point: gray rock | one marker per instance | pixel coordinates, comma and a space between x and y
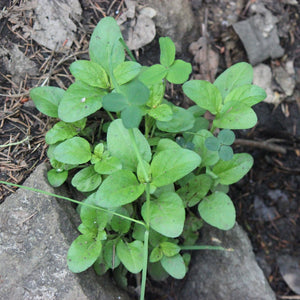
226, 275
285, 79
264, 212
35, 234
174, 19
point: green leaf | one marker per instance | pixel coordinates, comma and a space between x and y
237, 75
174, 266
140, 171
167, 51
90, 73
248, 94
179, 72
153, 75
131, 255
170, 165
80, 100
135, 92
182, 120
209, 158
169, 249
119, 145
218, 210
56, 178
100, 266
73, 151
195, 189
226, 137
86, 180
118, 224
114, 102
105, 47
212, 143
226, 153
60, 132
82, 253
156, 255
157, 272
236, 116
157, 92
167, 214
108, 165
162, 112
204, 94
118, 189
232, 171
131, 117
109, 254
47, 99
126, 71
167, 144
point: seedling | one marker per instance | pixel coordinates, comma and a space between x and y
152, 172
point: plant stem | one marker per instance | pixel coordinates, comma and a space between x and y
205, 247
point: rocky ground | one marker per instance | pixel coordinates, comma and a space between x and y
212, 35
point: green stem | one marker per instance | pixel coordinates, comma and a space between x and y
16, 143
205, 247
127, 49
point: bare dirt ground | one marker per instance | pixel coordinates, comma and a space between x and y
267, 199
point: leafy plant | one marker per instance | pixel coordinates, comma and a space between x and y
152, 172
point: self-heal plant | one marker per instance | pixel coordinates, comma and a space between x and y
152, 172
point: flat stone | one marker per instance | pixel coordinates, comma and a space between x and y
36, 231
226, 275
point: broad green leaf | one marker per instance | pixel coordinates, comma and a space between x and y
131, 117
218, 210
82, 253
179, 72
167, 51
119, 188
191, 230
119, 145
47, 99
126, 71
108, 165
237, 75
86, 180
195, 189
209, 158
167, 144
138, 232
157, 92
236, 116
73, 151
109, 254
226, 137
167, 214
170, 165
156, 238
225, 152
80, 100
169, 249
204, 94
162, 112
118, 224
135, 92
157, 272
154, 74
141, 169
105, 47
100, 266
197, 111
232, 171
156, 255
90, 73
182, 120
55, 178
174, 266
114, 102
248, 94
60, 132
212, 143
131, 255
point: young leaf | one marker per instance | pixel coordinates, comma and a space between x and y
167, 51
114, 102
131, 255
90, 73
131, 117
212, 143
86, 180
226, 137
126, 71
226, 153
119, 188
118, 224
47, 99
232, 171
162, 112
156, 255
167, 214
73, 151
60, 132
82, 253
218, 211
105, 47
179, 72
174, 266
119, 145
157, 92
204, 94
135, 92
108, 165
169, 249
80, 100
170, 165
55, 178
237, 75
153, 75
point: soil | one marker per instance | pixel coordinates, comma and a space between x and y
275, 178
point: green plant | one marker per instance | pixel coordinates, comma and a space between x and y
147, 167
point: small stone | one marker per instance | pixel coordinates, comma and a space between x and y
263, 212
285, 78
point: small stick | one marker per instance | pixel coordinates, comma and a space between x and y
261, 145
